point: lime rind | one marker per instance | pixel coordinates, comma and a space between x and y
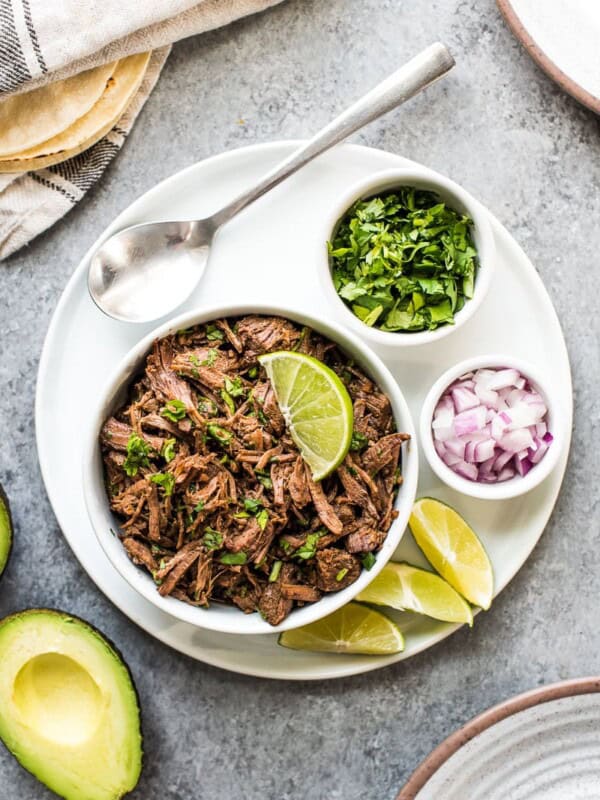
408, 588
453, 549
315, 405
352, 629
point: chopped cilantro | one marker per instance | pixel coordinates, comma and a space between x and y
166, 481
174, 410
404, 260
235, 387
236, 559
228, 400
219, 434
199, 507
309, 548
252, 505
210, 359
264, 478
275, 570
262, 417
368, 560
168, 450
358, 442
212, 539
213, 333
137, 455
262, 518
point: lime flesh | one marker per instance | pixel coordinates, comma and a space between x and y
453, 549
351, 629
316, 407
409, 588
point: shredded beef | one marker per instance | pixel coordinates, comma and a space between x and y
212, 496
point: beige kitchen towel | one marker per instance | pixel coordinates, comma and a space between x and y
42, 41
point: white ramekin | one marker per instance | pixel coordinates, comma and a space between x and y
515, 486
452, 194
219, 617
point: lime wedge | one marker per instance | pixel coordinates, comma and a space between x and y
408, 588
453, 549
316, 407
350, 629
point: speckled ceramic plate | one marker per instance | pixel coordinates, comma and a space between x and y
562, 37
252, 261
542, 745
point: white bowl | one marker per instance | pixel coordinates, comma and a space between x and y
515, 486
229, 619
458, 199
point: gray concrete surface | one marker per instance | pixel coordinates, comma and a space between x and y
501, 128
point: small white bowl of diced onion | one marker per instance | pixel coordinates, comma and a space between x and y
490, 428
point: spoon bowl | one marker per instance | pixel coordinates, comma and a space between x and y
146, 271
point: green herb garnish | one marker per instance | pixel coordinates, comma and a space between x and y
220, 434
168, 450
228, 400
210, 358
166, 481
368, 560
309, 548
404, 261
341, 574
137, 455
213, 333
199, 507
275, 570
262, 518
358, 442
252, 505
174, 410
264, 477
235, 387
253, 372
212, 539
235, 559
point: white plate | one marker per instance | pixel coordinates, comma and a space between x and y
542, 745
265, 255
562, 37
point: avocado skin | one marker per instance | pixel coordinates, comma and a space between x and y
65, 615
5, 506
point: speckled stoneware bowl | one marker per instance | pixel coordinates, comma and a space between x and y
541, 745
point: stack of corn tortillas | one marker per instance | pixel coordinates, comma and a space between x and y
55, 122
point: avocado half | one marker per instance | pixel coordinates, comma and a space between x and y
69, 711
6, 535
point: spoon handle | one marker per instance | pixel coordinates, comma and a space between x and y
416, 75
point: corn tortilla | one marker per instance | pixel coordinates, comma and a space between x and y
33, 117
90, 128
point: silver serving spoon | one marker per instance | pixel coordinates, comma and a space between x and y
145, 271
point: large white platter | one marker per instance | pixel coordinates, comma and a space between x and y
267, 255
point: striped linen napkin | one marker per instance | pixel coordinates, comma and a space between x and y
43, 41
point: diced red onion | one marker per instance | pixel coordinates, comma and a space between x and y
469, 421
491, 425
464, 399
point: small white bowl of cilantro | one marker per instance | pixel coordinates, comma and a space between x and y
409, 256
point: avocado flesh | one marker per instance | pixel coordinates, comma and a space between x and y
68, 708
5, 531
